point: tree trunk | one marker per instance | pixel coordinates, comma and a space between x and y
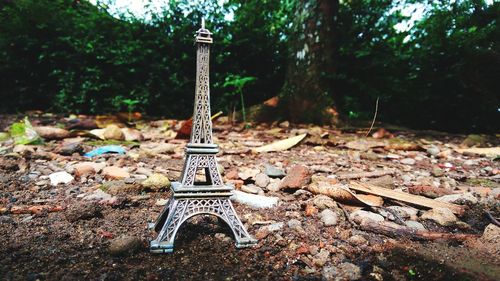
308, 89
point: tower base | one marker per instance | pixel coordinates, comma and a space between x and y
187, 202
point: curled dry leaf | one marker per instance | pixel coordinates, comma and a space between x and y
281, 145
488, 151
343, 194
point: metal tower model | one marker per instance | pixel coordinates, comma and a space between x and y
191, 197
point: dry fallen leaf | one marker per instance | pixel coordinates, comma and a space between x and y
488, 151
281, 145
364, 144
342, 193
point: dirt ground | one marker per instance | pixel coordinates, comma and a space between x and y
95, 226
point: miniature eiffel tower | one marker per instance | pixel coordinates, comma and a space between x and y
190, 197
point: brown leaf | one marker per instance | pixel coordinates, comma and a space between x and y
281, 145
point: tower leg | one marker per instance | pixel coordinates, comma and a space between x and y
179, 210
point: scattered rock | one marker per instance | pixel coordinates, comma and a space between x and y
329, 217
251, 189
415, 225
248, 173
360, 215
495, 192
131, 134
83, 211
264, 231
261, 180
442, 216
23, 149
113, 132
462, 199
83, 169
68, 149
321, 258
474, 140
357, 240
60, 177
369, 156
156, 182
114, 172
144, 171
97, 195
158, 148
491, 235
51, 133
437, 172
364, 144
124, 245
344, 271
428, 191
256, 201
324, 202
408, 161
273, 172
294, 223
222, 237
404, 212
297, 177
274, 185
433, 150
161, 202
386, 181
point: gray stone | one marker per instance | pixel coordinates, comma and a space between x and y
275, 226
156, 182
324, 202
83, 211
125, 245
144, 171
462, 199
342, 272
294, 223
491, 235
321, 258
273, 171
357, 240
261, 180
250, 188
433, 150
415, 225
437, 172
442, 216
69, 148
404, 212
408, 161
361, 215
329, 217
274, 185
495, 192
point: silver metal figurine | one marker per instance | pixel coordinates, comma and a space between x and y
191, 197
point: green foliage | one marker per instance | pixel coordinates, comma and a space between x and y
72, 56
238, 83
23, 133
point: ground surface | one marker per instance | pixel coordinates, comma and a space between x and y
95, 227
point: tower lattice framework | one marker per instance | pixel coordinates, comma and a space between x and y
191, 197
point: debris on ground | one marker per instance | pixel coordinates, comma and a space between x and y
325, 203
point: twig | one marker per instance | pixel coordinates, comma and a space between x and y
374, 117
492, 218
346, 214
397, 231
